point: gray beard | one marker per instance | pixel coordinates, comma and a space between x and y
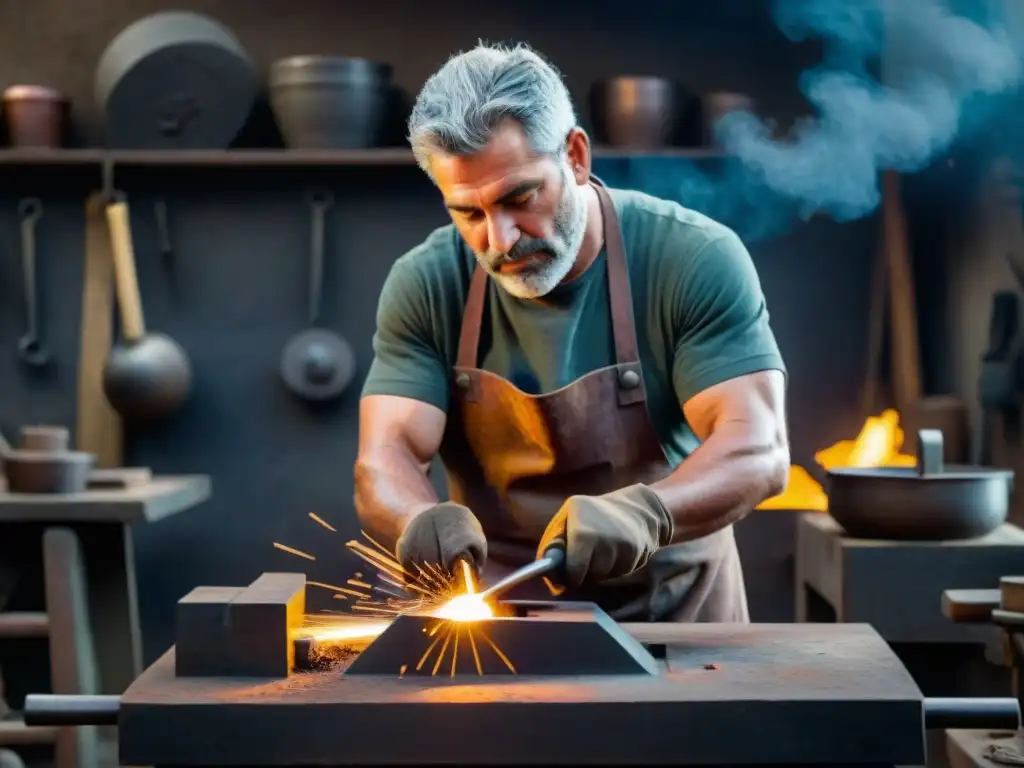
553, 258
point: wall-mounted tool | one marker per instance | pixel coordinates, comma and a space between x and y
1001, 378
147, 376
31, 348
163, 235
317, 363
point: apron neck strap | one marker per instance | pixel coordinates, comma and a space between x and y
619, 296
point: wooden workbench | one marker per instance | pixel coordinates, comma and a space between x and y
102, 520
730, 694
897, 586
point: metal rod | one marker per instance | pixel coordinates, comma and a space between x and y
553, 559
54, 709
995, 714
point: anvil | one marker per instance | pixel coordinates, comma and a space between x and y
717, 694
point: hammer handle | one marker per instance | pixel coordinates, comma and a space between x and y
129, 300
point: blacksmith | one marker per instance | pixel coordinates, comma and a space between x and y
593, 365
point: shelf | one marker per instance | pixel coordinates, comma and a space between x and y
256, 158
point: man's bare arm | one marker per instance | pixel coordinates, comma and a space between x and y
398, 438
743, 459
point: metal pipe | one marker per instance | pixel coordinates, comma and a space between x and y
995, 714
55, 709
553, 559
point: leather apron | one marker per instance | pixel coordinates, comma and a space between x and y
513, 458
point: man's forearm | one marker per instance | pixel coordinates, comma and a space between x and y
391, 488
729, 475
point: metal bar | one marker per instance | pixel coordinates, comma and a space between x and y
553, 559
995, 714
53, 709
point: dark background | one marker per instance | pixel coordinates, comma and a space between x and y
240, 238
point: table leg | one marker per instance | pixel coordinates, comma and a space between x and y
799, 576
109, 556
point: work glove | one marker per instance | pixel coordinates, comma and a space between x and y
607, 536
442, 535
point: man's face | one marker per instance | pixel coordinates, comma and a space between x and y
521, 213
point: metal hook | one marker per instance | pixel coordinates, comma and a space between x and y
107, 170
30, 209
321, 198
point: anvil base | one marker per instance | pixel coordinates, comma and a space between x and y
772, 694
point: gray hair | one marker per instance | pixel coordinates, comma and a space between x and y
462, 103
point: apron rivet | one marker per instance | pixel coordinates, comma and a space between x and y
630, 379
462, 381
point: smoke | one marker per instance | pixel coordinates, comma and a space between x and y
829, 163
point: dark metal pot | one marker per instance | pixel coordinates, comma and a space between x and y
329, 102
928, 502
639, 112
43, 463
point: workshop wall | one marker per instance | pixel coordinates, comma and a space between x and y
235, 291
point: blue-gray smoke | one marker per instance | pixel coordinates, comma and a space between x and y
944, 68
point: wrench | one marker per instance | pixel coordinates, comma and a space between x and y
30, 347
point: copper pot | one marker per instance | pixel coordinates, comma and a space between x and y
715, 106
639, 112
35, 116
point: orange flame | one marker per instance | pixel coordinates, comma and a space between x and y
877, 445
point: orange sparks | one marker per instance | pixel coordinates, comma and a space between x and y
293, 551
336, 589
317, 519
428, 590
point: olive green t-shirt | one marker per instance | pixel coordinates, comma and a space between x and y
700, 318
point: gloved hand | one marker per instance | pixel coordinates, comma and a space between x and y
441, 535
608, 536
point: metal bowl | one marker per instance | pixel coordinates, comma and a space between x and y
48, 471
328, 102
929, 502
639, 112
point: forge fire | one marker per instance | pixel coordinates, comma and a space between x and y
879, 444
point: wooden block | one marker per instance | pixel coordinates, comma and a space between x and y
1011, 592
262, 618
969, 605
203, 632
